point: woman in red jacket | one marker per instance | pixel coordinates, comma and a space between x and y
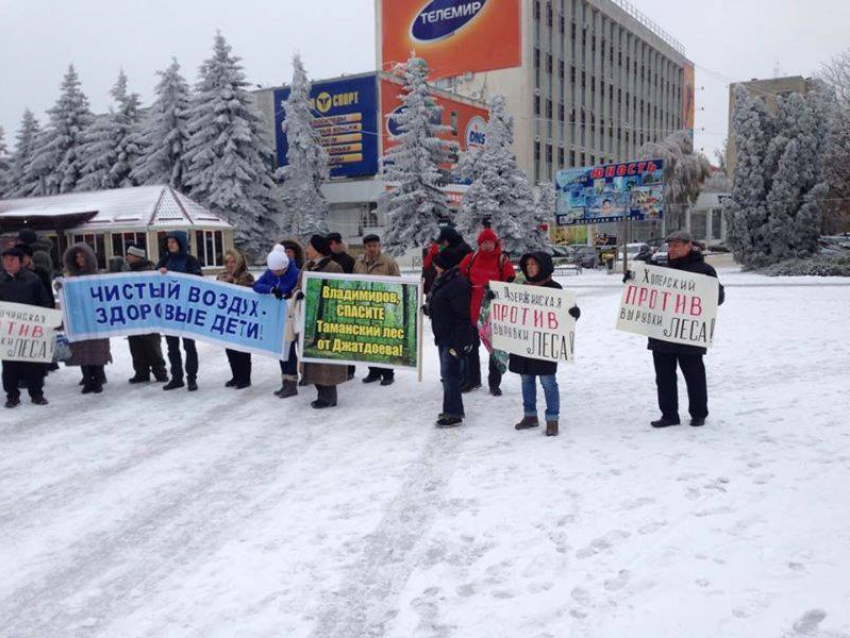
481, 267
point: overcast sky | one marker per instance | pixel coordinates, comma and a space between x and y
728, 40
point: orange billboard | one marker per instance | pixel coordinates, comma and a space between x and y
453, 36
689, 97
467, 123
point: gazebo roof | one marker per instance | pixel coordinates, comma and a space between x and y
145, 206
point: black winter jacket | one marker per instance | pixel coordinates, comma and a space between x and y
524, 365
345, 261
692, 262
24, 288
448, 307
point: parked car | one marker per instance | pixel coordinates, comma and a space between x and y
587, 256
659, 257
633, 250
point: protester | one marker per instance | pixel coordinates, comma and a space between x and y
324, 376
117, 264
340, 254
450, 238
538, 268
92, 355
429, 273
280, 280
145, 350
42, 265
236, 273
486, 264
178, 259
294, 250
681, 255
374, 262
448, 307
19, 285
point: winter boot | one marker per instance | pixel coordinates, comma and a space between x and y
496, 391
372, 377
230, 384
466, 388
664, 422
12, 402
192, 386
161, 377
389, 379
527, 423
173, 384
288, 389
446, 421
140, 378
551, 428
39, 400
697, 422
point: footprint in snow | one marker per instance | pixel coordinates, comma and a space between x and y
619, 581
807, 624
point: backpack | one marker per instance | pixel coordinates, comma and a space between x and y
502, 261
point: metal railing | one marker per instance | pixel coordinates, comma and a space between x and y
650, 24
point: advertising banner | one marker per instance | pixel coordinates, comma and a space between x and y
533, 321
610, 192
346, 116
689, 98
235, 317
467, 123
670, 305
453, 36
350, 319
27, 333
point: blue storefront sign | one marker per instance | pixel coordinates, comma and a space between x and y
611, 192
346, 116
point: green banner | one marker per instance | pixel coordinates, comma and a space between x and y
360, 319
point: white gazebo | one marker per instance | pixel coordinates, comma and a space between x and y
110, 220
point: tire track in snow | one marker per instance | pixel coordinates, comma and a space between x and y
363, 604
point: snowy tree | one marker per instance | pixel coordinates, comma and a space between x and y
415, 204
304, 206
163, 135
501, 195
58, 159
684, 173
23, 181
227, 157
469, 166
5, 166
836, 160
546, 203
775, 210
111, 146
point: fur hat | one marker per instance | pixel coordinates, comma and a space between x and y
137, 251
447, 259
277, 259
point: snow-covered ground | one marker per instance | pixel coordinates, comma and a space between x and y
225, 513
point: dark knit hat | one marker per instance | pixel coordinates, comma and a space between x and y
27, 236
320, 244
334, 237
448, 258
13, 252
368, 239
25, 249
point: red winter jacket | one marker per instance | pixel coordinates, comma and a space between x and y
482, 267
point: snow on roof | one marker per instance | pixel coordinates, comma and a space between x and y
136, 206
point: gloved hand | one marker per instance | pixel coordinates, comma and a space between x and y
489, 295
287, 296
299, 296
426, 310
575, 312
628, 276
277, 293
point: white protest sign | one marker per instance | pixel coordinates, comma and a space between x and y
533, 321
27, 333
670, 305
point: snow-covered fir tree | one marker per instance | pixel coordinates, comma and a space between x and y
111, 147
5, 165
23, 181
836, 160
164, 133
684, 173
415, 205
57, 159
305, 209
546, 202
501, 195
227, 157
779, 186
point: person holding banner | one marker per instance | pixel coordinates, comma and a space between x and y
666, 356
92, 355
538, 268
19, 285
178, 259
326, 377
280, 280
340, 254
145, 350
377, 264
486, 264
236, 273
454, 335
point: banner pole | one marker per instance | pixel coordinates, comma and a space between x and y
420, 324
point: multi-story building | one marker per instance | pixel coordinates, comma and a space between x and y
768, 90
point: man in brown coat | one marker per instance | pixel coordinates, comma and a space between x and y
377, 264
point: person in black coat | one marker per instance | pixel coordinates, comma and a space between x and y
145, 350
340, 256
454, 334
178, 259
21, 286
538, 268
667, 356
450, 238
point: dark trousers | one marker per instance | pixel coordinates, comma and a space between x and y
450, 374
146, 351
327, 393
17, 373
240, 365
176, 360
472, 369
289, 367
384, 373
693, 370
